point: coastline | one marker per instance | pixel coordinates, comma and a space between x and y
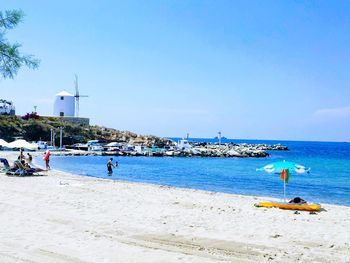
64, 217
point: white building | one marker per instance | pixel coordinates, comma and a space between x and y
64, 105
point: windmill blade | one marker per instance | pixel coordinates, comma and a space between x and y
77, 96
76, 86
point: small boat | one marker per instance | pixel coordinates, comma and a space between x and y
40, 145
183, 145
96, 148
290, 206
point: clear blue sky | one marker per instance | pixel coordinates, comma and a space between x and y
251, 69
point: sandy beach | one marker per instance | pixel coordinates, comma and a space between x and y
69, 218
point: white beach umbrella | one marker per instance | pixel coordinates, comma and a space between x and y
22, 144
3, 143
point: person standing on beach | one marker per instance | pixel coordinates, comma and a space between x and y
21, 155
46, 158
30, 157
110, 166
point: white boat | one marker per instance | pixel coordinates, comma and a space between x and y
113, 146
94, 145
139, 149
183, 145
96, 148
41, 145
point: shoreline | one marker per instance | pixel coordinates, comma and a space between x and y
260, 197
65, 217
255, 197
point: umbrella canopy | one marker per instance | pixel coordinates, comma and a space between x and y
278, 167
3, 143
22, 144
284, 169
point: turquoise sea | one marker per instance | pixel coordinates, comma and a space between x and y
328, 182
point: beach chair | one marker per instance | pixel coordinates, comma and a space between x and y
5, 165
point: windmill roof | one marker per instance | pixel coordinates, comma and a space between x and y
64, 94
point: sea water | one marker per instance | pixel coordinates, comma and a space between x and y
328, 181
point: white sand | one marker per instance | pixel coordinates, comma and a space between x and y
67, 218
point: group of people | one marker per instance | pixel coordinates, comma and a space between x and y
22, 158
46, 158
24, 162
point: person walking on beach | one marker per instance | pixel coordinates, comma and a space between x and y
46, 158
110, 166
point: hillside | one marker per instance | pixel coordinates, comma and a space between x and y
34, 128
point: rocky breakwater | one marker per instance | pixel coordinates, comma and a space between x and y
231, 150
196, 150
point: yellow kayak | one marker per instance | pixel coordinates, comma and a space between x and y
291, 206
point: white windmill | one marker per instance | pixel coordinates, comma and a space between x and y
77, 96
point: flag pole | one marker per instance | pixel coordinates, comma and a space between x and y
284, 190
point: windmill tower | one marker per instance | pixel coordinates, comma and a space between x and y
77, 96
64, 104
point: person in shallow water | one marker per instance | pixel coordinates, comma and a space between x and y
110, 166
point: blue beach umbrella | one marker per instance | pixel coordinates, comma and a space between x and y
284, 169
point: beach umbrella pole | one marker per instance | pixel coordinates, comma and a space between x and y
285, 169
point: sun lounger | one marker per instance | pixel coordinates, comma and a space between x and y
6, 165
